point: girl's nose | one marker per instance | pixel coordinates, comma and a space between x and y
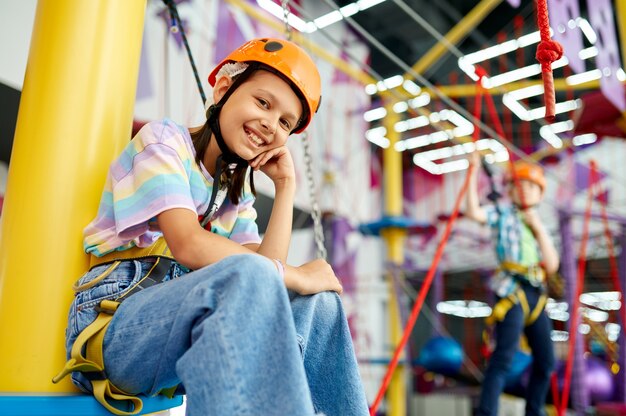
269, 126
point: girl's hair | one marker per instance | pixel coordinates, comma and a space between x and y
236, 177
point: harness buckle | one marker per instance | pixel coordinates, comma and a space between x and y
107, 306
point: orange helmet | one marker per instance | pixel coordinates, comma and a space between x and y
289, 60
527, 171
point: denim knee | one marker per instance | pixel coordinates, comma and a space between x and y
251, 264
252, 273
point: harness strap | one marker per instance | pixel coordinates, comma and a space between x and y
502, 307
92, 337
157, 249
516, 268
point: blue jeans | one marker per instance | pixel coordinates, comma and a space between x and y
508, 333
235, 338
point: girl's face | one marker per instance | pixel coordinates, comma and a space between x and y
259, 115
527, 194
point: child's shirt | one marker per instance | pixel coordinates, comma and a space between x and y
515, 243
157, 171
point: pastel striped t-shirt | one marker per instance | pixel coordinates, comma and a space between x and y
157, 171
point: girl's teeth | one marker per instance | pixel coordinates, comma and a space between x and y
255, 139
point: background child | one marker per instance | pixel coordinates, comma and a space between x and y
217, 311
522, 243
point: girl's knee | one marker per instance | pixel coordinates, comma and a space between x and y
327, 305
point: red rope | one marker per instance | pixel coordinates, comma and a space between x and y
417, 306
617, 285
548, 51
573, 330
422, 295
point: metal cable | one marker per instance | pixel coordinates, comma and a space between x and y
318, 229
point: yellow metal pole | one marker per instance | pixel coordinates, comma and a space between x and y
75, 114
469, 90
456, 34
394, 239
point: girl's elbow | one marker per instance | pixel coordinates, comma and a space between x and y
184, 252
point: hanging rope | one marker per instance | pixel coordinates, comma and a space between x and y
422, 295
614, 271
177, 27
436, 259
548, 51
580, 281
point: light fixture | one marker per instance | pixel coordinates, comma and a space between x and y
464, 308
426, 159
320, 22
462, 128
584, 139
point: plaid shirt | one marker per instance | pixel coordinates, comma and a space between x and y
515, 243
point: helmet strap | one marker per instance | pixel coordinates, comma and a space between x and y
213, 115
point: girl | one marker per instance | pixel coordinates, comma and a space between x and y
192, 296
526, 255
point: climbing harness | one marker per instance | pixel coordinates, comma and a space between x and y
518, 297
91, 363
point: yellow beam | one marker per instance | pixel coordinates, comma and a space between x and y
469, 90
75, 114
455, 35
394, 239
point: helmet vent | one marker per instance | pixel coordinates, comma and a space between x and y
273, 46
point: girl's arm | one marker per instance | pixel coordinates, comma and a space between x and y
277, 236
473, 210
549, 255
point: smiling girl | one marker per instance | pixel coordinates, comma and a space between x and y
199, 302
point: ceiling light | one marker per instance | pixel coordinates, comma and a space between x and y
559, 336
320, 22
411, 124
463, 127
584, 139
607, 301
370, 89
375, 114
425, 159
562, 107
588, 53
377, 136
583, 77
549, 132
612, 331
595, 315
411, 87
464, 308
293, 20
588, 31
400, 107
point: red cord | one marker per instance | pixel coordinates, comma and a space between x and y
579, 288
417, 306
548, 51
422, 295
617, 285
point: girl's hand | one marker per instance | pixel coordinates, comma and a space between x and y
314, 277
276, 163
531, 218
